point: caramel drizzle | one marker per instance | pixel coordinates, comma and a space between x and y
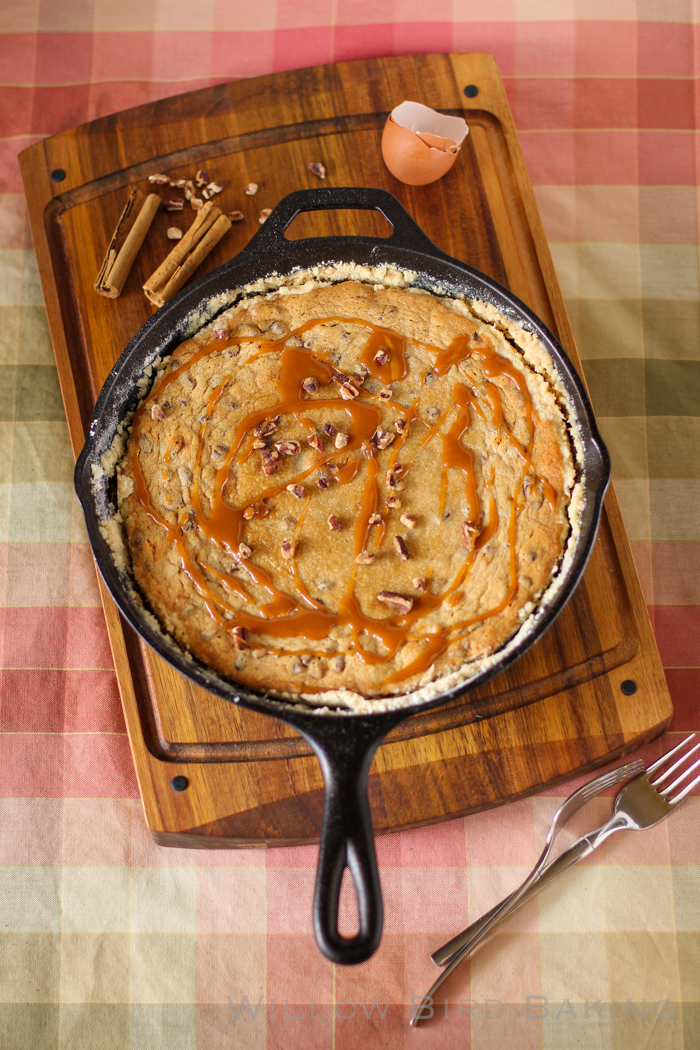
282, 616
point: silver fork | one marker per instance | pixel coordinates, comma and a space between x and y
565, 812
640, 805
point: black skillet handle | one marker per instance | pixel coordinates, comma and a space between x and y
345, 748
270, 237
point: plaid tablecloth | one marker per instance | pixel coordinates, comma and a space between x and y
108, 941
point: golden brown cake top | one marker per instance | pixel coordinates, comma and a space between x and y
347, 492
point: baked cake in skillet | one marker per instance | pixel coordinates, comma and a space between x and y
345, 492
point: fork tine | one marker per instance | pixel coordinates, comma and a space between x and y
669, 754
684, 776
613, 777
676, 765
685, 792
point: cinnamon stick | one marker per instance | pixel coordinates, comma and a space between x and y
134, 223
207, 230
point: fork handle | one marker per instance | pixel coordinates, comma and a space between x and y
443, 955
527, 890
571, 856
465, 943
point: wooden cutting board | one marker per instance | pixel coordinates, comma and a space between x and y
251, 780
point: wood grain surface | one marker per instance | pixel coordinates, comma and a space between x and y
251, 779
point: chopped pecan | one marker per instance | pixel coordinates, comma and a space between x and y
399, 601
315, 441
222, 333
364, 558
329, 430
196, 203
401, 425
401, 548
235, 216
310, 384
269, 426
271, 467
375, 519
239, 637
269, 454
202, 177
296, 490
317, 168
468, 534
156, 411
323, 483
338, 663
159, 180
174, 233
287, 550
419, 583
341, 440
383, 438
178, 184
214, 187
393, 503
190, 191
316, 669
174, 204
251, 189
433, 414
335, 524
264, 215
408, 520
259, 443
385, 394
348, 391
382, 356
244, 551
288, 448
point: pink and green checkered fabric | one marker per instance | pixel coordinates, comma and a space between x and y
108, 941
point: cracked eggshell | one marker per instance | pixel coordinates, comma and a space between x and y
420, 145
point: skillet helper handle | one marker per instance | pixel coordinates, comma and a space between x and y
270, 237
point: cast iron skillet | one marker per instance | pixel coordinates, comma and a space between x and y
344, 743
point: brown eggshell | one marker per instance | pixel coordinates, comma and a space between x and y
411, 160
